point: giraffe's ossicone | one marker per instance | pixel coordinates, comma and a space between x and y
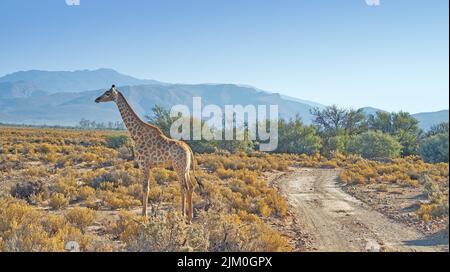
154, 149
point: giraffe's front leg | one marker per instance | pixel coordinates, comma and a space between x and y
145, 190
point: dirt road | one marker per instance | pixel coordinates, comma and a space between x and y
337, 221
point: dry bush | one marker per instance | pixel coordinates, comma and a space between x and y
67, 186
34, 172
81, 217
433, 192
23, 228
86, 193
432, 210
162, 176
117, 201
229, 233
46, 148
126, 227
114, 176
58, 201
27, 190
263, 209
382, 188
166, 233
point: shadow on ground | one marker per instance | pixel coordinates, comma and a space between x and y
436, 239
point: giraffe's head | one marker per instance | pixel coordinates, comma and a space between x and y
109, 95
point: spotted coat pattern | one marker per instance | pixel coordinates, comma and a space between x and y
154, 149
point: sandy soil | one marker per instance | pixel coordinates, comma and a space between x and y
336, 221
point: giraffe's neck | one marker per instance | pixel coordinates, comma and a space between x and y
132, 120
129, 117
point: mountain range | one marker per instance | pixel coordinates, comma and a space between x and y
64, 98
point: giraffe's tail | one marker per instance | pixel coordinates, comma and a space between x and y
199, 182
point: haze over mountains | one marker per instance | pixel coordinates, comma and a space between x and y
64, 98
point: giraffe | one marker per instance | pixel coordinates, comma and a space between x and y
154, 149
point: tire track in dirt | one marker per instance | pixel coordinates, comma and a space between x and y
336, 221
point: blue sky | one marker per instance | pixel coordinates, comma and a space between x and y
393, 56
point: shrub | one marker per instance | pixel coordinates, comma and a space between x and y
114, 176
86, 193
429, 211
435, 148
46, 148
81, 217
168, 233
382, 188
66, 185
374, 144
20, 229
58, 201
23, 228
230, 233
25, 190
296, 137
330, 164
126, 227
118, 201
116, 141
433, 192
263, 209
334, 144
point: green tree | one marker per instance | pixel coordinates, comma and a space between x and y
295, 137
435, 148
334, 144
335, 125
161, 118
402, 126
381, 121
329, 121
333, 121
437, 129
374, 144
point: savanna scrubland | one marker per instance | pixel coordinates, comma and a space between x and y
61, 185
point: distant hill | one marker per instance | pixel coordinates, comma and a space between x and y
69, 108
64, 98
26, 83
311, 103
370, 110
428, 119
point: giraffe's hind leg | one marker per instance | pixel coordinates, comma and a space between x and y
183, 192
183, 201
185, 195
145, 191
189, 199
189, 192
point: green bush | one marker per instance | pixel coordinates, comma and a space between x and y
374, 144
295, 137
334, 144
435, 148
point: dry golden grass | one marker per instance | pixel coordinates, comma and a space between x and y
83, 185
75, 187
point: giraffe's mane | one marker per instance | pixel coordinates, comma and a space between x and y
137, 116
